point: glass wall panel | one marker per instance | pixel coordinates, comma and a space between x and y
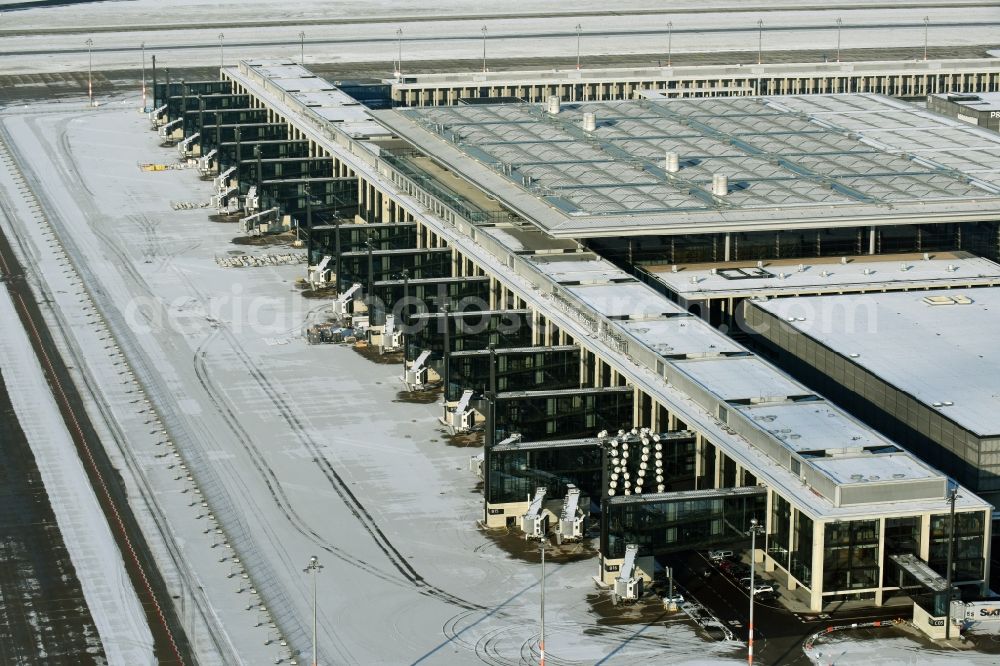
514, 475
518, 370
540, 415
850, 557
968, 555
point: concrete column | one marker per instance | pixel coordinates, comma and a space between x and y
925, 536
816, 598
726, 254
871, 240
881, 568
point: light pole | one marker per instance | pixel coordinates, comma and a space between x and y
399, 53
302, 47
142, 47
222, 51
541, 642
755, 528
927, 21
951, 554
578, 29
484, 48
670, 39
839, 26
314, 568
90, 68
760, 41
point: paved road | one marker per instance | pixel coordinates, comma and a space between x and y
779, 633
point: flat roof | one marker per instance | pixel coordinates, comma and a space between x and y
946, 356
618, 74
827, 274
814, 426
683, 336
741, 378
817, 160
984, 101
862, 469
322, 98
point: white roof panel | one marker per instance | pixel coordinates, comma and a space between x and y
936, 353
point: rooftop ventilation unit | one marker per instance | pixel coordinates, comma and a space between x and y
589, 122
720, 184
554, 104
673, 163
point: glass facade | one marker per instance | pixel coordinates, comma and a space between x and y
514, 474
516, 370
420, 265
541, 415
800, 561
468, 331
468, 293
674, 524
968, 556
850, 555
779, 537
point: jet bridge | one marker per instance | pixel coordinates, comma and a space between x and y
570, 526
417, 375
628, 582
461, 417
535, 522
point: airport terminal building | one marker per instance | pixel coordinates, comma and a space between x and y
555, 211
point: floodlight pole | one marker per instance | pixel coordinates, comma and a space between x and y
222, 51
840, 24
760, 41
302, 47
142, 48
314, 568
927, 21
484, 48
755, 527
90, 68
541, 642
578, 29
951, 554
670, 39
399, 58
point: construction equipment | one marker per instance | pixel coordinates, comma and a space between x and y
571, 520
535, 523
628, 585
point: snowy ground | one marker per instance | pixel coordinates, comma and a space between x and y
110, 596
448, 34
307, 447
892, 646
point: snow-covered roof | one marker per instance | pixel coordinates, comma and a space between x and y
937, 346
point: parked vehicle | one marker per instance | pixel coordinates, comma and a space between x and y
718, 556
677, 599
738, 571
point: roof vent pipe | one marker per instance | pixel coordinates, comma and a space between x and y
554, 104
673, 162
589, 122
720, 184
